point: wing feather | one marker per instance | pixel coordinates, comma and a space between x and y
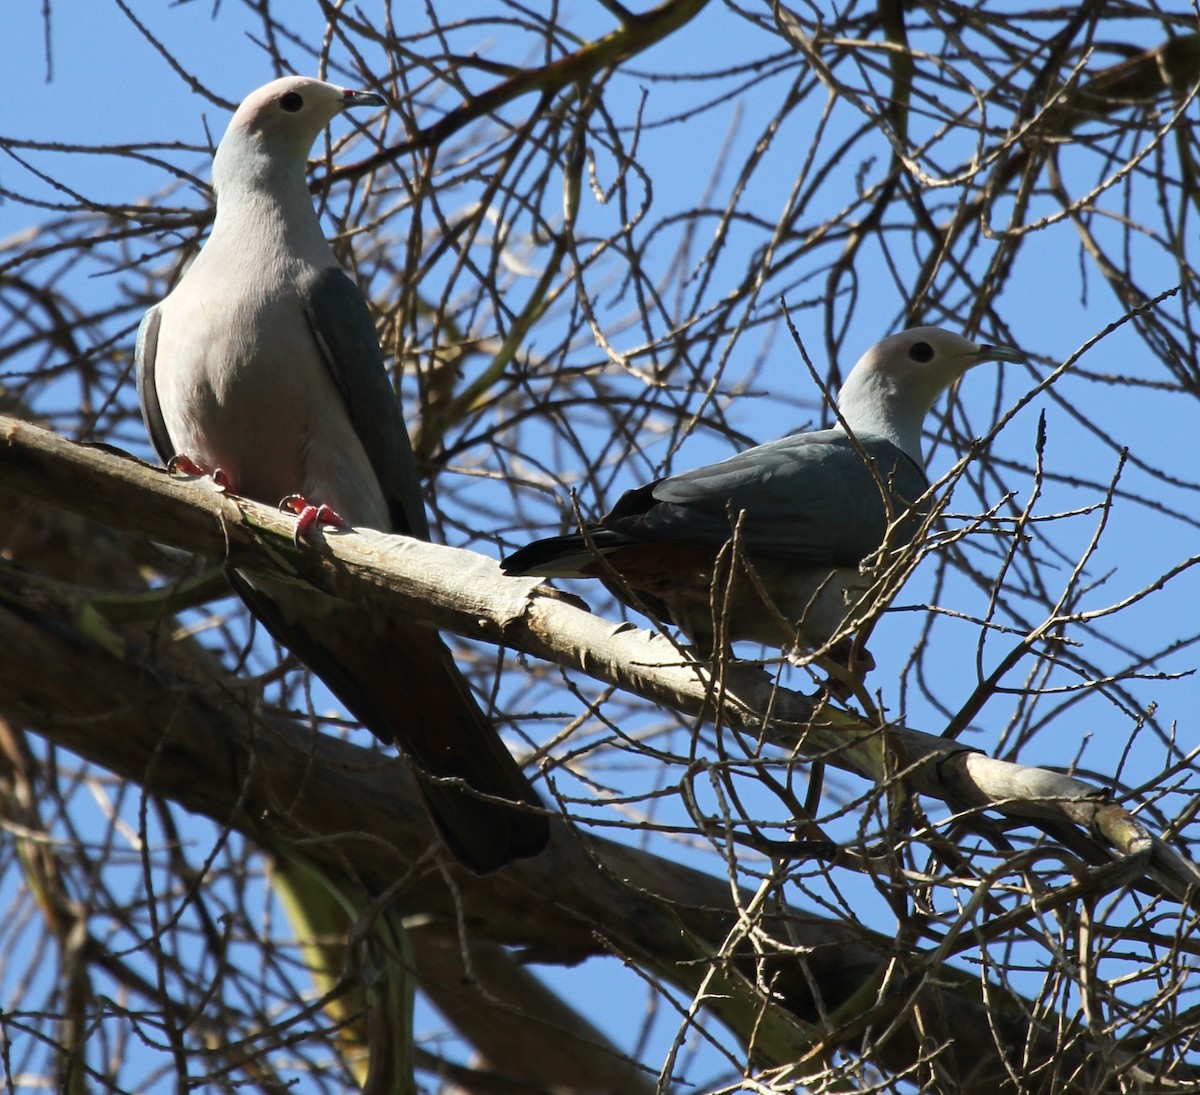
341, 323
145, 353
809, 497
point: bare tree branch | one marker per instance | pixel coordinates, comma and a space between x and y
160, 719
583, 230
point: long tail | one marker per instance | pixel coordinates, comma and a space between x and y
568, 556
401, 682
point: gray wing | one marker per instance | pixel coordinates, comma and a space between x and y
345, 334
809, 497
144, 353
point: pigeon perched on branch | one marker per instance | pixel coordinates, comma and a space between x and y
794, 518
262, 368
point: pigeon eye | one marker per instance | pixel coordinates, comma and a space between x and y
292, 102
920, 352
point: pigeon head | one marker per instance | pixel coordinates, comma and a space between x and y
893, 385
275, 127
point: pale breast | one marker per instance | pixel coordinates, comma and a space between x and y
243, 388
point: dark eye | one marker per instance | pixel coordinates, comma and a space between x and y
920, 352
292, 102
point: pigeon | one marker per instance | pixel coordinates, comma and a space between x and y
262, 368
804, 512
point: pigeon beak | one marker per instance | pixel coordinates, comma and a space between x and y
999, 353
361, 98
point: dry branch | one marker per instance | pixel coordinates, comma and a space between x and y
165, 717
465, 593
574, 245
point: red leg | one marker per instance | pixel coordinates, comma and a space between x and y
309, 516
842, 687
182, 464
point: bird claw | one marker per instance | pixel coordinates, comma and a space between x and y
309, 516
182, 464
848, 669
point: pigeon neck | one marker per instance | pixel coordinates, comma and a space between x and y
871, 407
260, 200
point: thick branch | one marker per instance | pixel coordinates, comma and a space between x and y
463, 592
163, 719
165, 715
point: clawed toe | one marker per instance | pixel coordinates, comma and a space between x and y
849, 670
309, 516
182, 464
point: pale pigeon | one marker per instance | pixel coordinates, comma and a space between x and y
263, 369
809, 506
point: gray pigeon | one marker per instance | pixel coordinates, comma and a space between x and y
810, 507
262, 368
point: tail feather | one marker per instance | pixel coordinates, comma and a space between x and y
401, 682
569, 556
486, 809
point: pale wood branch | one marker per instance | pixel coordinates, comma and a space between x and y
166, 715
158, 716
466, 593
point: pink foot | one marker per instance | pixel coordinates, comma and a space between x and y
309, 516
181, 464
855, 668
